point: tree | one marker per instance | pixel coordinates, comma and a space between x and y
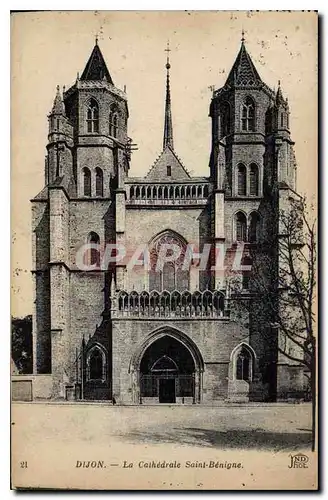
21, 344
282, 289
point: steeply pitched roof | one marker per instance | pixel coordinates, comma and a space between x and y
58, 107
158, 172
96, 68
243, 71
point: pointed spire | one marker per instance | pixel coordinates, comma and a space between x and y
243, 71
96, 68
279, 97
58, 107
168, 128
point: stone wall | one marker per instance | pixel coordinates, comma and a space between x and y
215, 340
142, 225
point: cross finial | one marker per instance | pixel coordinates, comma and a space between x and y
96, 39
242, 35
278, 83
168, 50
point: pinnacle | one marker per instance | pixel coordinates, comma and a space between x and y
58, 105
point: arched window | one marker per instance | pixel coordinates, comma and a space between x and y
113, 122
248, 116
254, 227
170, 276
254, 180
99, 182
93, 252
86, 182
241, 227
93, 117
244, 365
241, 189
282, 120
225, 119
96, 364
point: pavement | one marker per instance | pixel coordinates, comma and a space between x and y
277, 427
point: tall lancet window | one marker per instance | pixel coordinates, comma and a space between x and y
240, 227
248, 116
93, 258
99, 182
113, 123
86, 182
253, 180
241, 180
93, 116
244, 364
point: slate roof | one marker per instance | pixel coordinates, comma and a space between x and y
243, 71
96, 68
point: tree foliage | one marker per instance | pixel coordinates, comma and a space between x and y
21, 344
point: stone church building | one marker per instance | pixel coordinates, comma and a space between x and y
147, 334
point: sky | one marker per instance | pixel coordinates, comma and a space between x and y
49, 48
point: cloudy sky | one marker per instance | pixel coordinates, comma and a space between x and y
49, 48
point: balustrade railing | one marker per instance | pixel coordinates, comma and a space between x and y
141, 193
175, 304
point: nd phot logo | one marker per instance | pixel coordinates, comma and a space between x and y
298, 461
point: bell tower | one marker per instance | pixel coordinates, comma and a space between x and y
238, 129
99, 113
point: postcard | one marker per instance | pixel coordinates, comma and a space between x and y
164, 250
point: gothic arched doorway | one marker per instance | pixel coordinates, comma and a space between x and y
167, 369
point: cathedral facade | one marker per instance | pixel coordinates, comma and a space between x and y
135, 300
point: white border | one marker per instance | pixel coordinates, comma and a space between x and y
5, 181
